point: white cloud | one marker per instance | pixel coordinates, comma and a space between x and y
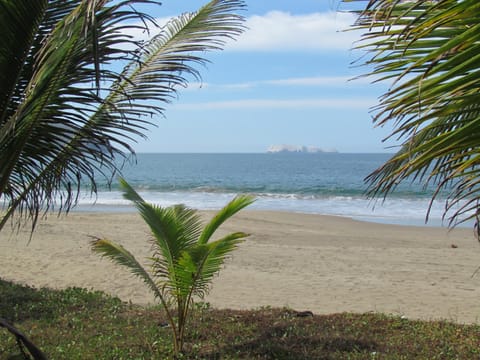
320, 81
282, 31
315, 81
356, 103
311, 81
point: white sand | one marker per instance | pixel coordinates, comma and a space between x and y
307, 262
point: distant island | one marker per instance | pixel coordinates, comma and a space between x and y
273, 149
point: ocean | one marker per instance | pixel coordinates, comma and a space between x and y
321, 183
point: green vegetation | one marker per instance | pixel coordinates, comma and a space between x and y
184, 260
76, 89
79, 324
428, 52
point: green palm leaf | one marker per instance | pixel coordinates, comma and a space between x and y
223, 215
200, 264
431, 52
19, 23
120, 255
58, 131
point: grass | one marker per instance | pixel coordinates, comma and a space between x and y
80, 324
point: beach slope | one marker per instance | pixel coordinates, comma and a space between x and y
324, 264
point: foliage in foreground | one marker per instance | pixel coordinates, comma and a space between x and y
77, 89
80, 324
429, 52
184, 257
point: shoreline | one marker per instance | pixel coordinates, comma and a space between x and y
434, 222
325, 264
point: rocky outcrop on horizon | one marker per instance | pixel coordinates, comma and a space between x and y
298, 149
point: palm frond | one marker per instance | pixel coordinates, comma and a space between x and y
431, 51
19, 24
201, 263
67, 131
171, 55
118, 254
223, 215
38, 159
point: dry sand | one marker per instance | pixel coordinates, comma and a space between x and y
307, 262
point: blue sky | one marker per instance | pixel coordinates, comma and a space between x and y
284, 81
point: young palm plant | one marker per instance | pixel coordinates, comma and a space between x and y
184, 260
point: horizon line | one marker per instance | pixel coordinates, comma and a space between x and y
255, 152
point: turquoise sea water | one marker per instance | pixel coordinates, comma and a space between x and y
327, 183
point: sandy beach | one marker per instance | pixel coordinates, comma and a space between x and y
307, 262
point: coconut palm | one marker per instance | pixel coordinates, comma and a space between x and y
76, 89
184, 260
430, 52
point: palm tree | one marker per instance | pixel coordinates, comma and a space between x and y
430, 52
76, 89
184, 262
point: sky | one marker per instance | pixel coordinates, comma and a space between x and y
286, 80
